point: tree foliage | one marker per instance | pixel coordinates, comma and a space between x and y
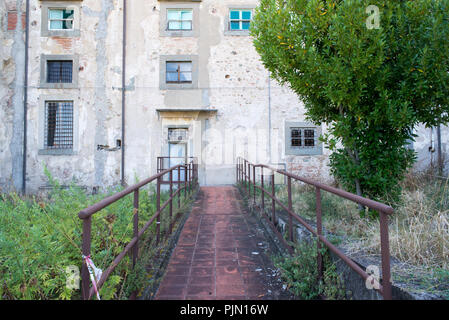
371, 86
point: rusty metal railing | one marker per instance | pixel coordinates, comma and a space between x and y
246, 173
163, 165
190, 181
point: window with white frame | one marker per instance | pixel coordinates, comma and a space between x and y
179, 19
60, 19
239, 19
58, 127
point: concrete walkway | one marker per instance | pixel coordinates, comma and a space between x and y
221, 254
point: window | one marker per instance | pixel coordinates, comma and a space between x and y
302, 139
177, 134
239, 19
179, 72
59, 71
60, 19
58, 125
179, 19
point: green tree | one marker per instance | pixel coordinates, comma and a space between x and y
370, 83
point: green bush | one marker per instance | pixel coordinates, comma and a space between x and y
39, 239
300, 273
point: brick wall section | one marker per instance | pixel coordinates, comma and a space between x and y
12, 20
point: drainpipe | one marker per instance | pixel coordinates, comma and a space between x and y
123, 93
269, 117
25, 96
439, 155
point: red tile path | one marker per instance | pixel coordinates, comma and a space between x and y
221, 254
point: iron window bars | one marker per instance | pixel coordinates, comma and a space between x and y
60, 19
177, 134
239, 19
58, 125
179, 72
179, 20
303, 137
59, 71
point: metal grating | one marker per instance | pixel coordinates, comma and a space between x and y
302, 138
59, 71
59, 125
177, 135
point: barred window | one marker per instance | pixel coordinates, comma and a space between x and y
179, 19
303, 137
177, 134
58, 125
239, 19
59, 71
179, 72
60, 19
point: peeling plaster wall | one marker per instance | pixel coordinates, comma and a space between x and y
231, 80
12, 74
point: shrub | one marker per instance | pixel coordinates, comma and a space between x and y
300, 273
40, 238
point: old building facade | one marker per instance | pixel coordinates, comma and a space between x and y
102, 88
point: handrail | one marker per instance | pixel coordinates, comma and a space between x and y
190, 180
243, 175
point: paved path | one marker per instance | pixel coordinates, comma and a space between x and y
221, 254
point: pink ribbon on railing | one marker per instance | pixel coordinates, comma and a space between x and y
94, 273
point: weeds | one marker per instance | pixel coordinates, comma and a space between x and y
300, 273
40, 238
418, 229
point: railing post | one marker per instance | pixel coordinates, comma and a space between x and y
254, 184
273, 202
87, 227
290, 207
158, 208
319, 232
185, 182
249, 179
237, 171
385, 253
245, 166
263, 190
190, 177
241, 170
179, 187
171, 202
136, 226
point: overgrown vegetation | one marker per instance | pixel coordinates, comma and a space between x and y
40, 238
300, 273
419, 229
370, 76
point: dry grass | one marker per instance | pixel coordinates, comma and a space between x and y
419, 228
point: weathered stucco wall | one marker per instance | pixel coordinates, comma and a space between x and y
232, 97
